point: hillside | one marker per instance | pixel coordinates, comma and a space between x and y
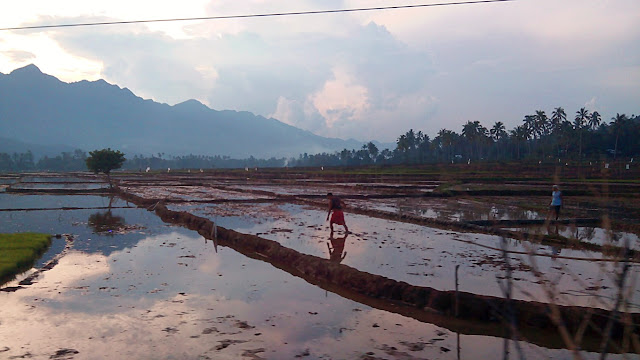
36, 108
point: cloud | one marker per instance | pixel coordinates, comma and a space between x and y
366, 75
20, 56
341, 100
331, 85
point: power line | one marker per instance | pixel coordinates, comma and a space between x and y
252, 15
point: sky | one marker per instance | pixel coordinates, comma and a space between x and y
369, 75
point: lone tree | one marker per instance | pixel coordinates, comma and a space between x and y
105, 160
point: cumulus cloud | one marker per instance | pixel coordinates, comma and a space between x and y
341, 99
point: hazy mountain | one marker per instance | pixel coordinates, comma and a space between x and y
36, 108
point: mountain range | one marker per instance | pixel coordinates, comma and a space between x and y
38, 112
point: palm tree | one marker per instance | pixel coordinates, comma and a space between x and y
579, 122
475, 134
557, 117
446, 138
581, 118
594, 120
470, 133
520, 134
373, 151
530, 124
617, 122
529, 129
541, 122
498, 133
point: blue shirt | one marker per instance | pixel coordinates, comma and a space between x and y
556, 199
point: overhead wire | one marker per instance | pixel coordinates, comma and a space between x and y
242, 16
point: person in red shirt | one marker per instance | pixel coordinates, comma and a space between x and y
335, 210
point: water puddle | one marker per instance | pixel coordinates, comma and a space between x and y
26, 201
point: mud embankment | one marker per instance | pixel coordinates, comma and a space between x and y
476, 314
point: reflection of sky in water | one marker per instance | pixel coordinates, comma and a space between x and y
448, 209
163, 292
593, 235
57, 186
54, 179
20, 201
75, 222
8, 180
172, 296
420, 255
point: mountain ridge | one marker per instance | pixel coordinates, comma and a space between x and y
41, 109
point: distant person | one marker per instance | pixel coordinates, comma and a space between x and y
335, 210
336, 249
556, 202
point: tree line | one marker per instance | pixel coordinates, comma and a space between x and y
539, 137
66, 161
76, 161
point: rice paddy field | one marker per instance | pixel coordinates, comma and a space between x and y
438, 264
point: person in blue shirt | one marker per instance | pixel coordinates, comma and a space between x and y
556, 202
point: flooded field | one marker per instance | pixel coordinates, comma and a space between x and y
421, 255
129, 285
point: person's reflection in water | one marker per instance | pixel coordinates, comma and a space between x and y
553, 230
336, 248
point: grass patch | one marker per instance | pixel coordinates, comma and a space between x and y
18, 252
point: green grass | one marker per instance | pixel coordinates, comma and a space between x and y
19, 251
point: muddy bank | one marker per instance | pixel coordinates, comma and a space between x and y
476, 314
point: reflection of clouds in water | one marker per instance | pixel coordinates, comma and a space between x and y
141, 313
460, 209
173, 324
385, 331
75, 268
596, 235
68, 308
166, 329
